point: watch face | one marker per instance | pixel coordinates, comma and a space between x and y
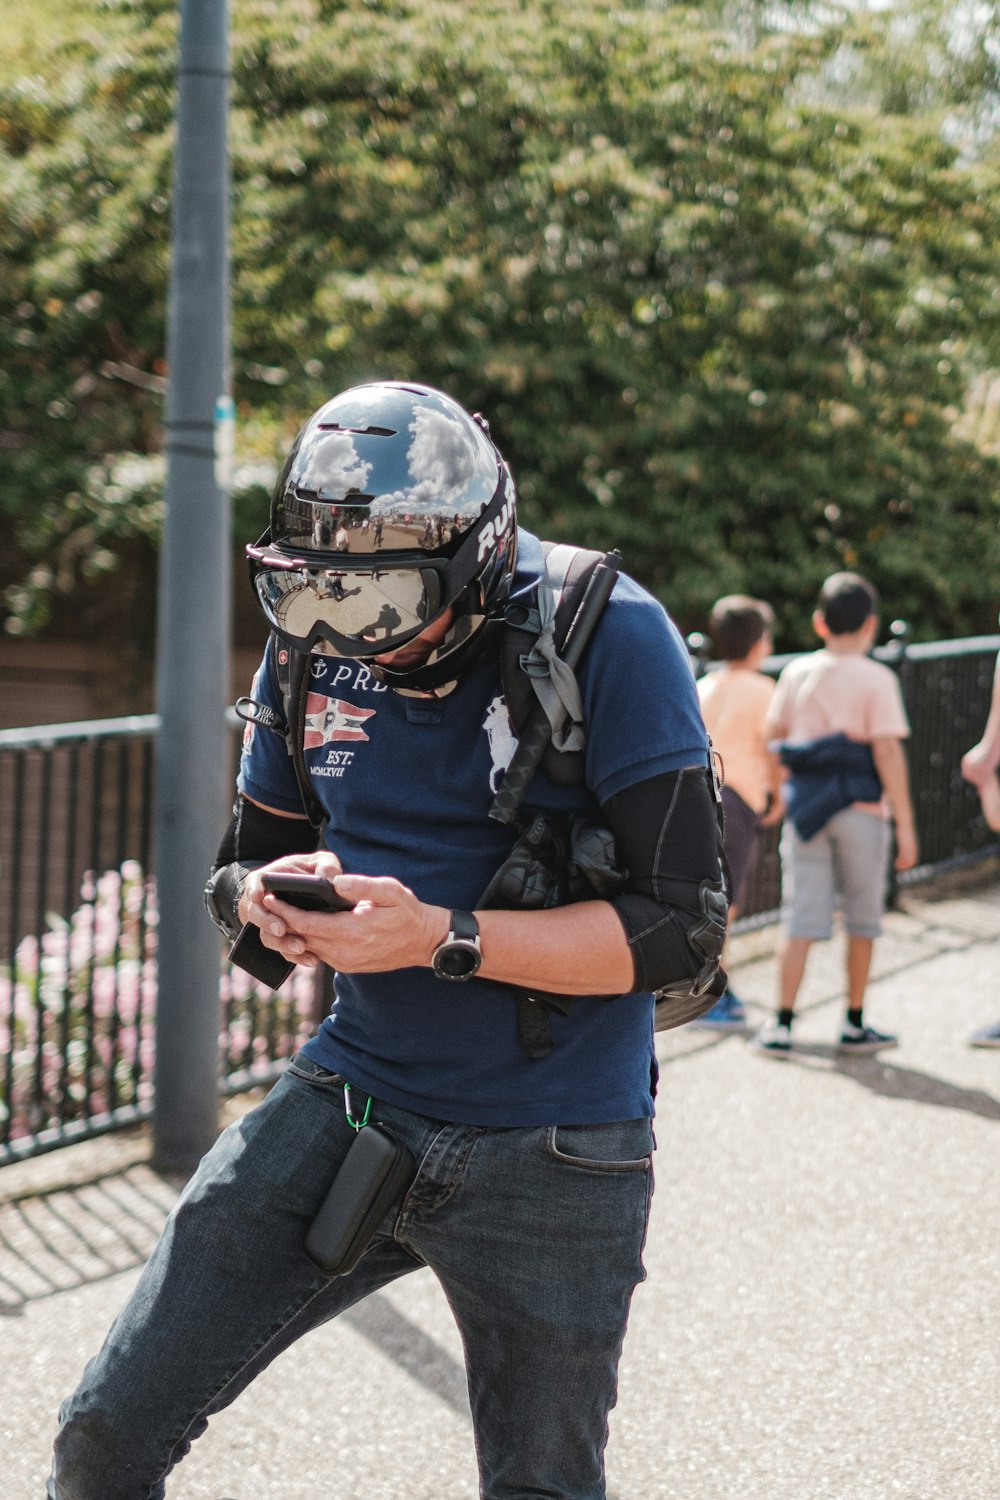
457, 960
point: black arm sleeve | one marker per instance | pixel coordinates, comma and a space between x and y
673, 904
255, 836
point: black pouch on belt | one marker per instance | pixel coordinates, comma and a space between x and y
376, 1171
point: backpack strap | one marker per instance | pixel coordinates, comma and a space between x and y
530, 664
569, 602
291, 673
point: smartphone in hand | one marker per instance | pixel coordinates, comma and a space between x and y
310, 892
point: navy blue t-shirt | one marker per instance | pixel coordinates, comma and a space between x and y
407, 784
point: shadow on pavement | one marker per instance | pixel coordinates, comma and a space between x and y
70, 1237
894, 1082
408, 1346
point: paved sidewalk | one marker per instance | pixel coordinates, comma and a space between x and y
822, 1311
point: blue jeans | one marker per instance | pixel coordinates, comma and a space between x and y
535, 1235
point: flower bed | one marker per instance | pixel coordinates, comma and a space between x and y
78, 1012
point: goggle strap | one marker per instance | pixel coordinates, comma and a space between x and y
469, 561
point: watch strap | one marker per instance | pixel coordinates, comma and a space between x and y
459, 957
462, 924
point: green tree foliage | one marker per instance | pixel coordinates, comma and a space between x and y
721, 279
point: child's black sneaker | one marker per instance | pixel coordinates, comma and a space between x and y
864, 1039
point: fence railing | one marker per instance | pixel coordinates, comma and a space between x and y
78, 932
78, 918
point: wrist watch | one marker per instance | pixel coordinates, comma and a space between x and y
459, 956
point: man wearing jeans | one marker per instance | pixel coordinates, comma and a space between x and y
529, 1123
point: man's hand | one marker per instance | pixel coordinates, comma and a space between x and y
277, 920
389, 928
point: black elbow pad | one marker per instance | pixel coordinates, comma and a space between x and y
223, 890
676, 947
675, 903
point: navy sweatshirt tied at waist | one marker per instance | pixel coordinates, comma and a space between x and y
826, 775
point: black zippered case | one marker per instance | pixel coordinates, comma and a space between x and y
376, 1171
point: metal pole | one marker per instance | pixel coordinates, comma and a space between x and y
193, 625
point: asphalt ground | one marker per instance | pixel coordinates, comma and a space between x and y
821, 1318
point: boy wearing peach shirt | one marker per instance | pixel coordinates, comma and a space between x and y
838, 723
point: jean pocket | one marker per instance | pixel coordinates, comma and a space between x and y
621, 1146
303, 1067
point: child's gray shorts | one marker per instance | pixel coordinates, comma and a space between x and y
843, 866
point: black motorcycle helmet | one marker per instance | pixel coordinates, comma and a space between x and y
393, 507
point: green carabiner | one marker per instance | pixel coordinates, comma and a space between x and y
355, 1124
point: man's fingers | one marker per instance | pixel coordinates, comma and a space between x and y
377, 890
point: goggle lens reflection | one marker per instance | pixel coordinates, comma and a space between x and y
376, 607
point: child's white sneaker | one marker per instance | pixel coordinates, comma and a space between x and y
774, 1036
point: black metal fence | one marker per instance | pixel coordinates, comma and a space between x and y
78, 933
78, 972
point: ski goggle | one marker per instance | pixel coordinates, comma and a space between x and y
359, 612
362, 605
